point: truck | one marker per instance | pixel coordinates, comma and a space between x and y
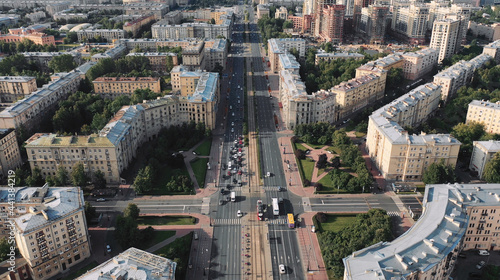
233, 197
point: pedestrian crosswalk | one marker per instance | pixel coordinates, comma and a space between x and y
267, 188
278, 222
227, 221
393, 214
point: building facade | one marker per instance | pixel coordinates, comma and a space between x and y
158, 61
329, 23
482, 153
398, 155
282, 46
13, 88
135, 25
373, 23
109, 34
324, 56
419, 63
444, 37
10, 156
51, 231
486, 113
455, 217
112, 87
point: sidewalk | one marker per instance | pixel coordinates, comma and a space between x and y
312, 259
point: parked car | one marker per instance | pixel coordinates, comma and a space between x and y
481, 264
484, 253
108, 248
100, 199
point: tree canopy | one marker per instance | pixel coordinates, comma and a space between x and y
439, 173
491, 172
62, 63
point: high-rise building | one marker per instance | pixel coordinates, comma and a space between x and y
330, 23
358, 5
373, 23
444, 37
410, 22
10, 156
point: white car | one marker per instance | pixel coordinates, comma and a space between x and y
239, 214
100, 199
282, 269
232, 114
232, 129
268, 174
232, 123
484, 253
108, 248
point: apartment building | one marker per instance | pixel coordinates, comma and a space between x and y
50, 229
173, 17
297, 21
37, 38
70, 16
493, 50
10, 156
215, 52
30, 111
193, 55
324, 56
444, 37
117, 51
283, 45
482, 153
356, 94
398, 155
201, 30
142, 8
262, 10
113, 87
135, 25
133, 259
43, 58
456, 217
301, 108
281, 13
158, 61
373, 23
36, 16
490, 31
410, 22
486, 113
109, 34
13, 88
329, 23
459, 74
114, 148
419, 63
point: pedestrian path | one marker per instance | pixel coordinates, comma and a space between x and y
227, 221
306, 203
278, 222
271, 188
393, 214
205, 206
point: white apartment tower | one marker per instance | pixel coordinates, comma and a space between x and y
444, 37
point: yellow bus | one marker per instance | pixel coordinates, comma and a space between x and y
291, 221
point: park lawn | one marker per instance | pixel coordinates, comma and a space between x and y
165, 220
307, 166
328, 186
359, 134
299, 146
204, 148
314, 146
159, 236
81, 271
321, 171
337, 222
199, 166
180, 249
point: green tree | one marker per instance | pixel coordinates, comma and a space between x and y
4, 248
62, 177
144, 180
90, 212
71, 37
467, 134
212, 21
132, 211
439, 173
127, 233
287, 24
99, 179
35, 179
21, 176
62, 63
491, 172
78, 175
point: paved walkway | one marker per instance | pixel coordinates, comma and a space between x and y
310, 251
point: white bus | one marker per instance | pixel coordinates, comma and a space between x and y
276, 208
233, 197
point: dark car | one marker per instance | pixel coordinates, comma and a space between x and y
222, 191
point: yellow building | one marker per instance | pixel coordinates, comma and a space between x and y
398, 155
112, 87
10, 156
13, 88
49, 227
486, 113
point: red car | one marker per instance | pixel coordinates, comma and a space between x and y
239, 172
229, 173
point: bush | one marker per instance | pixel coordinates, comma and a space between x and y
300, 154
318, 186
321, 217
307, 183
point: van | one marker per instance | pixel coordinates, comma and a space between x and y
233, 197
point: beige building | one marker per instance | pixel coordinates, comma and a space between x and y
281, 46
482, 153
455, 217
13, 88
410, 22
486, 113
262, 10
158, 61
444, 37
50, 228
112, 87
113, 149
493, 50
10, 156
134, 263
109, 34
281, 13
29, 111
417, 64
193, 56
490, 31
324, 56
398, 155
135, 26
459, 74
356, 94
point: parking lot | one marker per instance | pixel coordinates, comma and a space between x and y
465, 266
